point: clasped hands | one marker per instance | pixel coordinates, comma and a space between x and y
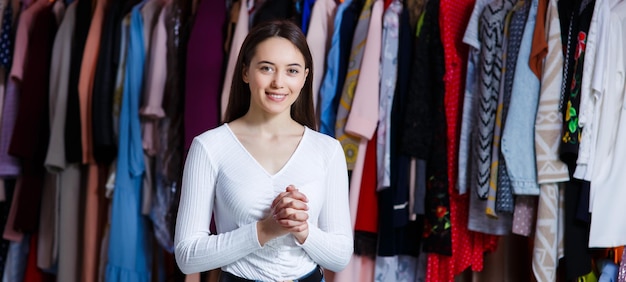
288, 214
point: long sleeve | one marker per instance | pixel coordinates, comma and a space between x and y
363, 115
547, 129
330, 244
548, 245
223, 179
196, 249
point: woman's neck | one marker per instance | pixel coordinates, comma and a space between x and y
270, 125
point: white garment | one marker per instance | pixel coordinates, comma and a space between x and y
471, 33
592, 80
223, 178
608, 221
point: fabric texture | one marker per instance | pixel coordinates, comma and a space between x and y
468, 247
359, 43
203, 70
389, 57
605, 201
337, 63
129, 247
518, 144
212, 184
29, 141
319, 38
548, 246
424, 129
490, 77
468, 114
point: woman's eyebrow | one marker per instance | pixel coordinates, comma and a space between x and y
270, 63
265, 62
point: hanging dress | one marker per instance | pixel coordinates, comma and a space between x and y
129, 251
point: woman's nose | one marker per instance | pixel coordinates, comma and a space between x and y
278, 80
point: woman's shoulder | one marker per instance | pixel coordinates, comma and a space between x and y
215, 135
322, 140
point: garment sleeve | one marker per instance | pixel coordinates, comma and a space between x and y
363, 115
196, 249
330, 242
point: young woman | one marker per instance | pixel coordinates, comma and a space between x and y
277, 188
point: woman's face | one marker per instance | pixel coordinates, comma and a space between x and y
276, 75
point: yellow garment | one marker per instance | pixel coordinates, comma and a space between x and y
589, 277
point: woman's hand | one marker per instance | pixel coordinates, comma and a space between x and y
290, 210
288, 215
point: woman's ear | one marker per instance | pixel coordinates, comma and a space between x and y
244, 74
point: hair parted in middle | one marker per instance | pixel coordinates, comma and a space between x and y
239, 101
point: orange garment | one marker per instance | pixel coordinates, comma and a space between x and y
539, 48
92, 236
87, 74
617, 254
91, 241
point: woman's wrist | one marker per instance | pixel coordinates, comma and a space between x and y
261, 232
301, 236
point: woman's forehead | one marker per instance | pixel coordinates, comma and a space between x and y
278, 50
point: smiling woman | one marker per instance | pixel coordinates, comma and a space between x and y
276, 76
277, 188
293, 48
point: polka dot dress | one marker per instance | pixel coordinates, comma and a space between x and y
5, 38
467, 247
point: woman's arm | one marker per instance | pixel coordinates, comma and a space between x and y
330, 243
196, 249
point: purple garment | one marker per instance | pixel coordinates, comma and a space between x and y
30, 137
204, 71
621, 274
9, 165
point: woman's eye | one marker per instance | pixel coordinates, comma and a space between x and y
293, 71
266, 69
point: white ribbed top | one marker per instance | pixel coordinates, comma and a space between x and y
223, 178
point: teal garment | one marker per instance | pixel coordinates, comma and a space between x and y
129, 244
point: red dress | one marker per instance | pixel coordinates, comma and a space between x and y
468, 247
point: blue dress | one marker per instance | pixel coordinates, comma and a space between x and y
129, 243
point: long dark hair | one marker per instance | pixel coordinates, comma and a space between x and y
239, 101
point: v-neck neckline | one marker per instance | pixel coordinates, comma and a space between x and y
258, 164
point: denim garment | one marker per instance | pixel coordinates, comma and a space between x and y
402, 268
469, 106
518, 139
504, 193
16, 260
608, 271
